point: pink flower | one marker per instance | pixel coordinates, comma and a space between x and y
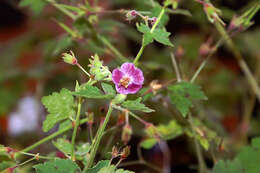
128, 78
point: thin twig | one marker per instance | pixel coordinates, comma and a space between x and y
177, 71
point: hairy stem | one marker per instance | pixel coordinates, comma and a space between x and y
75, 130
241, 61
98, 137
177, 71
46, 139
63, 10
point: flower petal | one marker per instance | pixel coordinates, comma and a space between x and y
128, 68
138, 77
133, 88
117, 75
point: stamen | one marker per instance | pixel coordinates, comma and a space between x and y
124, 81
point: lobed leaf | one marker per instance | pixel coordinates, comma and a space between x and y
182, 95
136, 105
59, 106
57, 166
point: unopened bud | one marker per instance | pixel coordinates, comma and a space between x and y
179, 52
130, 15
115, 152
153, 20
69, 58
204, 49
126, 133
125, 153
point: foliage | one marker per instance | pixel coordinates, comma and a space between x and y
60, 107
182, 95
243, 162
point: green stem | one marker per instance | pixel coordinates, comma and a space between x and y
65, 11
59, 132
241, 61
139, 53
196, 74
158, 19
98, 137
75, 130
81, 68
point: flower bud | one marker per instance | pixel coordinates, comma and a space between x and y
98, 70
130, 15
125, 153
153, 20
126, 133
115, 152
204, 49
70, 58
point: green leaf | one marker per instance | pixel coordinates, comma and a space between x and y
183, 93
158, 34
59, 106
36, 6
148, 37
246, 161
148, 143
108, 89
57, 166
228, 167
162, 36
92, 92
250, 159
136, 105
101, 164
256, 143
63, 145
170, 130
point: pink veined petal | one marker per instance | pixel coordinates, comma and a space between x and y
128, 68
117, 75
133, 88
138, 77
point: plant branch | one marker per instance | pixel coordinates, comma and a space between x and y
241, 61
59, 132
177, 71
74, 134
98, 137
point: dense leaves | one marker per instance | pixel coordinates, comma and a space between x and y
182, 95
59, 106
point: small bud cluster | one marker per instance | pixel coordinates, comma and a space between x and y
132, 14
98, 70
